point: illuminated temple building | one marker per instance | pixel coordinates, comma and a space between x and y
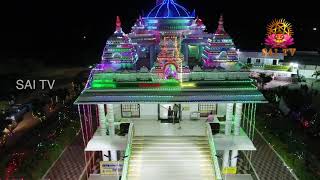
168, 59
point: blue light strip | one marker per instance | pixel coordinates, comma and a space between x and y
154, 9
159, 9
176, 9
168, 10
186, 11
168, 3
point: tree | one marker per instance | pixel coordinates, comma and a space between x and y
263, 79
316, 74
246, 67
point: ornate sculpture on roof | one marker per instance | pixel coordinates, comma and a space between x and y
219, 50
119, 52
197, 24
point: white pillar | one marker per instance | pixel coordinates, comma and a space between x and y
225, 159
102, 118
237, 119
234, 158
229, 114
110, 117
114, 155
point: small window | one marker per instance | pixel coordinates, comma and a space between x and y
257, 60
205, 109
274, 62
249, 60
130, 110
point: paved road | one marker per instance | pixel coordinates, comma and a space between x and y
266, 162
70, 164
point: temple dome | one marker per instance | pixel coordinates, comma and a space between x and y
169, 9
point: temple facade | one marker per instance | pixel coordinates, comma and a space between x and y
184, 108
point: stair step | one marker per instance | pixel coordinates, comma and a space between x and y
171, 163
161, 152
170, 149
172, 145
170, 158
174, 156
170, 137
138, 142
190, 171
168, 177
185, 169
164, 176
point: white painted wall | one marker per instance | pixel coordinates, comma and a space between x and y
187, 109
117, 112
221, 110
150, 111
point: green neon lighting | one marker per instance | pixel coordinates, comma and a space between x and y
103, 86
194, 51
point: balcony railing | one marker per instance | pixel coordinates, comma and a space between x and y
127, 153
214, 158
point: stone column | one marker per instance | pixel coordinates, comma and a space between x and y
186, 54
234, 158
152, 55
102, 118
229, 114
225, 159
237, 119
110, 117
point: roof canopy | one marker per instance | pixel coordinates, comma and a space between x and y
235, 91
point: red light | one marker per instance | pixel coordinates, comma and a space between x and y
149, 85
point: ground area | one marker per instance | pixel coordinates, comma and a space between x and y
30, 147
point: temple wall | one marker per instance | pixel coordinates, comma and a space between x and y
221, 110
150, 111
117, 111
187, 109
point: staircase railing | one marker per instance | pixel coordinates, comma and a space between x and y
213, 153
127, 152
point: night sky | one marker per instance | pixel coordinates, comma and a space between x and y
54, 30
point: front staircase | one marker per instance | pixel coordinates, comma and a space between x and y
170, 158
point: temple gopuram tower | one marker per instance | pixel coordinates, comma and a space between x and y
219, 50
119, 52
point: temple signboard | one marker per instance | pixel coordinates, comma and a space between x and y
111, 168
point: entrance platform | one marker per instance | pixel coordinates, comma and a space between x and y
156, 128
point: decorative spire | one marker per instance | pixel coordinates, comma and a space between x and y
199, 21
159, 2
118, 24
220, 29
193, 14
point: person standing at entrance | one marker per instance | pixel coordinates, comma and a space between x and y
170, 114
175, 112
